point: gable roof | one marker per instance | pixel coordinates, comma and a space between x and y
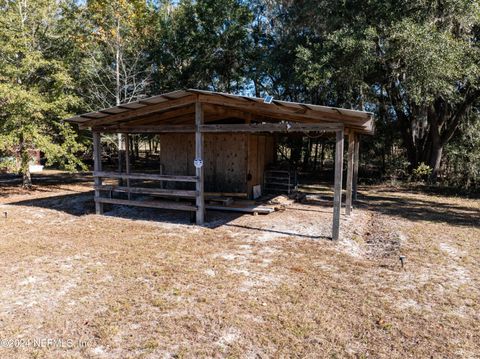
177, 107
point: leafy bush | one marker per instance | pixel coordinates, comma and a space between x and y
422, 172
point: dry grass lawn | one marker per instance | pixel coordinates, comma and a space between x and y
145, 284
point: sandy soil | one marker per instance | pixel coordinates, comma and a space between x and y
142, 283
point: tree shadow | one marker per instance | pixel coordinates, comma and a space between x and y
10, 184
81, 204
435, 190
286, 233
415, 209
77, 204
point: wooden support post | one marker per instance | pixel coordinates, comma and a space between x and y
350, 168
120, 155
337, 197
356, 160
200, 199
127, 161
97, 166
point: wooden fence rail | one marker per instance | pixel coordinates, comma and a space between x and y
145, 176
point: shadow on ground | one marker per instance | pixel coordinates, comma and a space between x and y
286, 233
46, 178
80, 204
415, 209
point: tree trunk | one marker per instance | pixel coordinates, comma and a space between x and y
315, 158
322, 156
137, 146
435, 160
25, 164
27, 179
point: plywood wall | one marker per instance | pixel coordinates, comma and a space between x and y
261, 153
225, 158
233, 162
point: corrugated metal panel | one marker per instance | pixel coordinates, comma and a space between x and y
364, 118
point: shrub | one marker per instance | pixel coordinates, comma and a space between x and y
422, 172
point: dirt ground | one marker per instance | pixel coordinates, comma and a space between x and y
140, 283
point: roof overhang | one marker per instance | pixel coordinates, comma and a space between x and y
176, 108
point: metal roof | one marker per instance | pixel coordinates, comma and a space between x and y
361, 121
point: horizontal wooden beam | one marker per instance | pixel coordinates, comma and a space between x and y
149, 204
147, 129
248, 127
249, 209
152, 191
273, 127
146, 176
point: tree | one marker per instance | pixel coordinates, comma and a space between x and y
36, 91
115, 67
434, 73
202, 44
419, 61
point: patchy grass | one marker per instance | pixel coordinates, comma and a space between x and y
250, 286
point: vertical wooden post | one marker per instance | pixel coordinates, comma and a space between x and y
350, 168
120, 155
127, 161
356, 160
97, 167
200, 199
337, 197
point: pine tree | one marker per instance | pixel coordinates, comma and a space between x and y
36, 91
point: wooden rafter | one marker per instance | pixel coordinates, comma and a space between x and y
224, 128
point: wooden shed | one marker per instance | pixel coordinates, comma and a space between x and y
233, 162
217, 142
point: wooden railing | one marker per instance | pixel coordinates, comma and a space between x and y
146, 176
190, 194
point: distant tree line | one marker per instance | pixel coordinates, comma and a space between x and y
414, 63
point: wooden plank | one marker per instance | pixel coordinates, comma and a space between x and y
97, 167
261, 159
149, 204
337, 197
224, 201
222, 128
169, 192
145, 176
272, 127
252, 163
225, 169
227, 194
160, 128
269, 150
250, 209
152, 191
355, 166
127, 160
177, 152
199, 170
121, 153
173, 125
350, 160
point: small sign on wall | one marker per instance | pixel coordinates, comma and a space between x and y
198, 163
